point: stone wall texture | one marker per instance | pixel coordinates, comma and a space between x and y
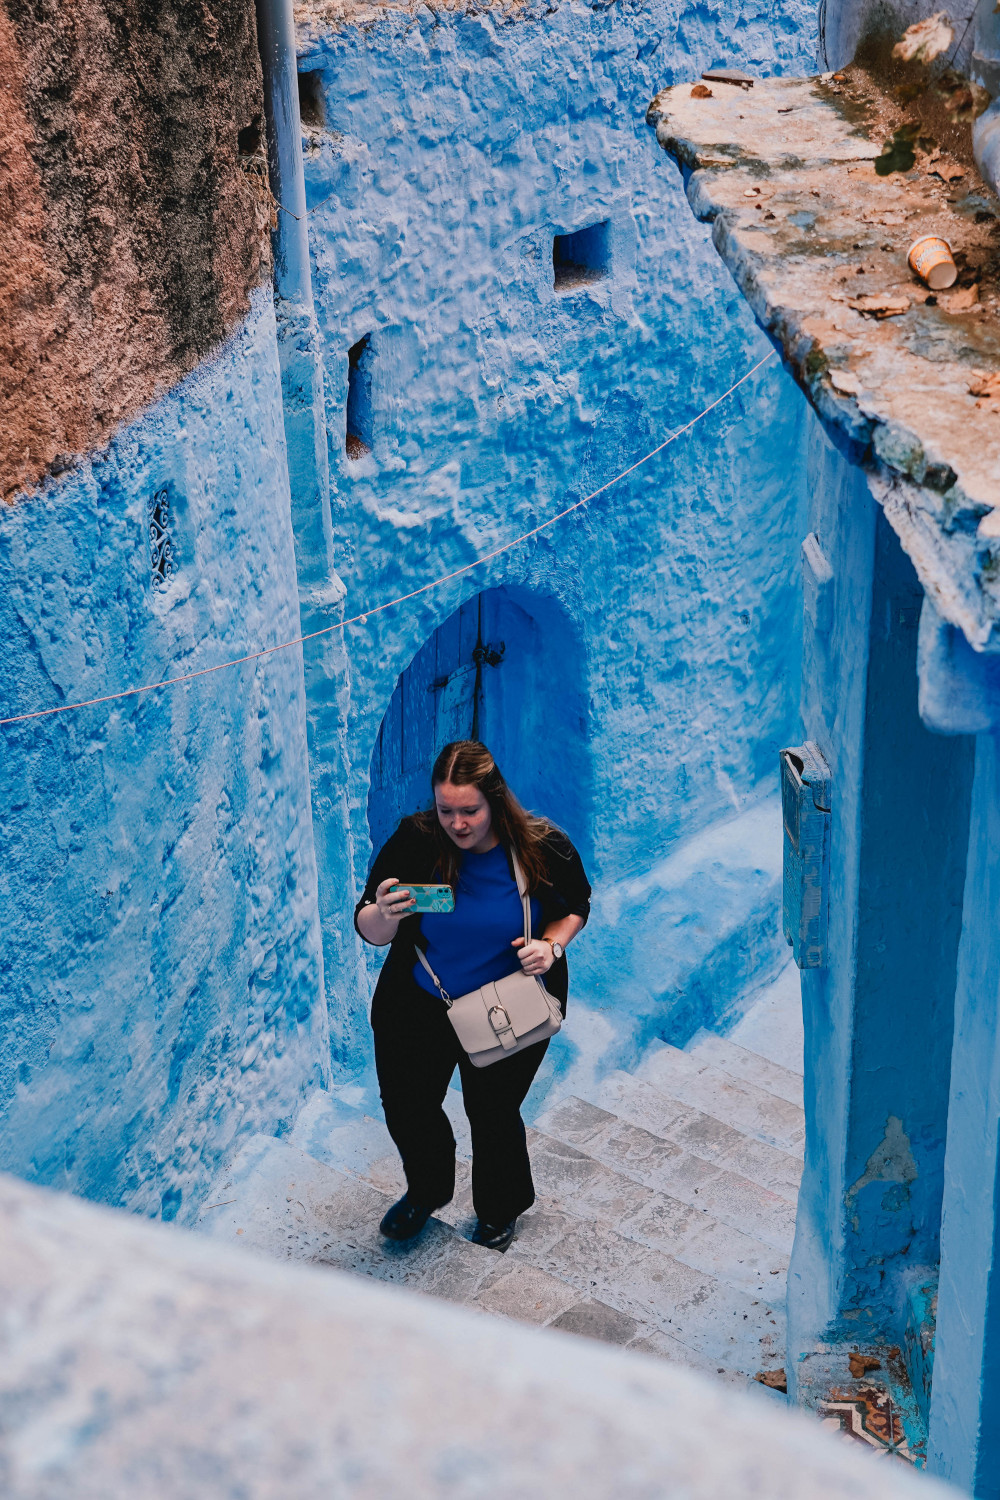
135, 211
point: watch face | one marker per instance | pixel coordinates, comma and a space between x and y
557, 950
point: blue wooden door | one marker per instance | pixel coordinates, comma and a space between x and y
442, 696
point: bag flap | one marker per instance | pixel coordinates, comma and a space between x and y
522, 997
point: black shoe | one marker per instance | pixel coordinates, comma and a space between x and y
493, 1236
404, 1219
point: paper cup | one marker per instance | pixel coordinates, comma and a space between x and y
931, 258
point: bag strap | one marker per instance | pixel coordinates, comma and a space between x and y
438, 985
522, 891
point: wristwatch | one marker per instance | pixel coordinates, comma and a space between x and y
557, 948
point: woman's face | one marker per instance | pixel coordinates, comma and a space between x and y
465, 816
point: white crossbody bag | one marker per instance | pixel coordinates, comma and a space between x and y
508, 1014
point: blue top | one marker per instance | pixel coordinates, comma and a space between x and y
472, 944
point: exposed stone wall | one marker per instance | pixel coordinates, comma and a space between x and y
135, 211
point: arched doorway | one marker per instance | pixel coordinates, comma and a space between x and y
505, 668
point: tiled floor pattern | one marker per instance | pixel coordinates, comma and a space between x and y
865, 1394
665, 1212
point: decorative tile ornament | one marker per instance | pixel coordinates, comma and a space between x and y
161, 548
868, 1416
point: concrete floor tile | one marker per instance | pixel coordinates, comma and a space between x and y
747, 1206
665, 1223
719, 1321
587, 1254
684, 1176
436, 1262
776, 1170
738, 1260
525, 1293
537, 1231
706, 1137
656, 1290
386, 1175
640, 1153
583, 1187
595, 1320
664, 1346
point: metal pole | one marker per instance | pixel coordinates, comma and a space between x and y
276, 39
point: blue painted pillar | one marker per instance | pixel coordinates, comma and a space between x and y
965, 1399
878, 1018
321, 592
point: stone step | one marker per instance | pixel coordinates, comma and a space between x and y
340, 1135
713, 1212
648, 1190
739, 1062
701, 1135
740, 1333
277, 1200
744, 1106
772, 1026
652, 1190
730, 1310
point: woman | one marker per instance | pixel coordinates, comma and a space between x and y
464, 842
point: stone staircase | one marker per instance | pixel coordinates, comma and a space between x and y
664, 1216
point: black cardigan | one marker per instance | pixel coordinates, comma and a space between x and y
411, 855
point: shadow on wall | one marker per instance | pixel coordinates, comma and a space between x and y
506, 668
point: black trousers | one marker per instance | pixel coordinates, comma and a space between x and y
416, 1053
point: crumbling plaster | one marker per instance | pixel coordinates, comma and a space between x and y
784, 172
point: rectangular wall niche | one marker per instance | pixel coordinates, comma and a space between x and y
312, 110
581, 257
359, 398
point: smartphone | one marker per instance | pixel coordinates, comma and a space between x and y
435, 898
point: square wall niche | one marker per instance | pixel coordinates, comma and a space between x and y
581, 257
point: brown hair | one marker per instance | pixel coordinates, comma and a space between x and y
468, 763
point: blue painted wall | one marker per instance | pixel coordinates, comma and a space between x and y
160, 965
965, 1399
878, 1019
455, 147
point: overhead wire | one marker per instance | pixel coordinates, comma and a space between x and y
363, 617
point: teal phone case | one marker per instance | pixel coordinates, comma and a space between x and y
429, 899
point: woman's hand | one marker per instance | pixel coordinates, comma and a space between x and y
392, 907
536, 956
378, 922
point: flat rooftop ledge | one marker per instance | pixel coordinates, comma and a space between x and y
817, 242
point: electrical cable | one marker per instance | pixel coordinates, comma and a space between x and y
954, 51
363, 617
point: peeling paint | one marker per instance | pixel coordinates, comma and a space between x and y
891, 1161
